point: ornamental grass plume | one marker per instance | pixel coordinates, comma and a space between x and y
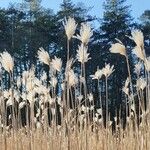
139, 53
69, 64
56, 64
90, 97
118, 48
7, 61
98, 74
70, 27
85, 33
82, 54
107, 71
43, 56
137, 37
72, 78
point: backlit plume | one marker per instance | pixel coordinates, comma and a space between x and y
85, 33
118, 48
139, 53
56, 64
70, 27
82, 54
138, 37
107, 71
7, 61
98, 74
43, 56
72, 78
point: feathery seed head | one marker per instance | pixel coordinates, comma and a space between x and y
70, 27
98, 74
72, 78
107, 71
99, 111
7, 61
118, 48
82, 54
139, 52
138, 38
56, 64
90, 97
69, 64
43, 56
80, 97
85, 33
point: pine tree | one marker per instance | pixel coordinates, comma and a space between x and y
116, 20
145, 20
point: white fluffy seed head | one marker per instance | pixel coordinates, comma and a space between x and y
138, 37
7, 61
107, 70
139, 52
70, 27
43, 56
85, 33
56, 64
98, 74
72, 78
69, 64
80, 97
118, 48
99, 111
90, 97
82, 54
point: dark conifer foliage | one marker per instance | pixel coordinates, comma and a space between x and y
27, 26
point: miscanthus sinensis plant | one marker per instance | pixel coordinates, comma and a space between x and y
57, 110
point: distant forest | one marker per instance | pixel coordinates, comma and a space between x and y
27, 26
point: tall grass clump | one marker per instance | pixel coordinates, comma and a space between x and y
58, 111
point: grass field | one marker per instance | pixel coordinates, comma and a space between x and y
35, 116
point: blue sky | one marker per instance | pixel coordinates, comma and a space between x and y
137, 6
